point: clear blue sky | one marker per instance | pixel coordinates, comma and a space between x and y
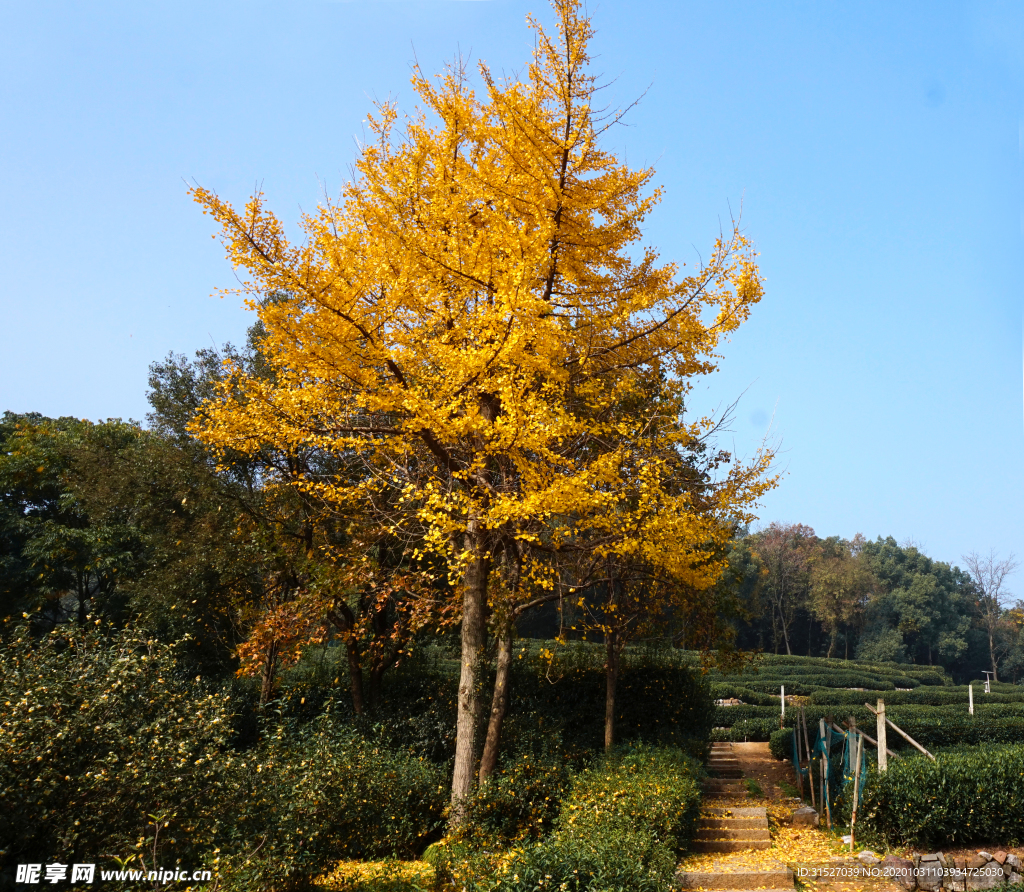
876, 149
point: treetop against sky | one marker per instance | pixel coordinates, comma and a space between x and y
874, 150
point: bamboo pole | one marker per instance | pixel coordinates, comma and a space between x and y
899, 730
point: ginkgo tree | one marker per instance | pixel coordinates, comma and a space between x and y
477, 321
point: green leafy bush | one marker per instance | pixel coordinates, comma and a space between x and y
960, 798
104, 742
98, 734
604, 860
780, 744
746, 730
519, 802
619, 828
654, 789
660, 699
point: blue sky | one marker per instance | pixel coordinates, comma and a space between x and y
875, 149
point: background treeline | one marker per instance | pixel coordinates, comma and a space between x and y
876, 601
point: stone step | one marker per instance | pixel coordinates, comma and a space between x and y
736, 833
734, 823
724, 846
749, 811
724, 785
726, 772
736, 880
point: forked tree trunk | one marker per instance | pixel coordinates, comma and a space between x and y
499, 706
611, 683
344, 619
474, 638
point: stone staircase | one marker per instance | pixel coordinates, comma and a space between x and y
733, 830
728, 826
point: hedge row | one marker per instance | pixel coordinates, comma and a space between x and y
960, 798
726, 691
931, 726
730, 715
923, 696
933, 675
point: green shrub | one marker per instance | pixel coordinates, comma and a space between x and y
780, 744
746, 730
660, 699
725, 691
99, 733
619, 828
325, 794
103, 736
960, 798
603, 860
519, 802
654, 789
382, 876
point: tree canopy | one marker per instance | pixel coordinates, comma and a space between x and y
477, 320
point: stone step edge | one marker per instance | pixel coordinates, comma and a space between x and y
747, 879
730, 846
738, 824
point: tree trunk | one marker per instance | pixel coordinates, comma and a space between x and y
355, 677
474, 637
269, 670
344, 619
82, 589
499, 706
785, 637
611, 682
992, 656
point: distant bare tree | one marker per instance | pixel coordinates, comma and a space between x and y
783, 550
989, 574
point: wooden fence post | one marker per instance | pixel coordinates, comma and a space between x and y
970, 698
826, 739
807, 752
856, 785
883, 760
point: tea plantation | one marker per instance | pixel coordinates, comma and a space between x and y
973, 791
